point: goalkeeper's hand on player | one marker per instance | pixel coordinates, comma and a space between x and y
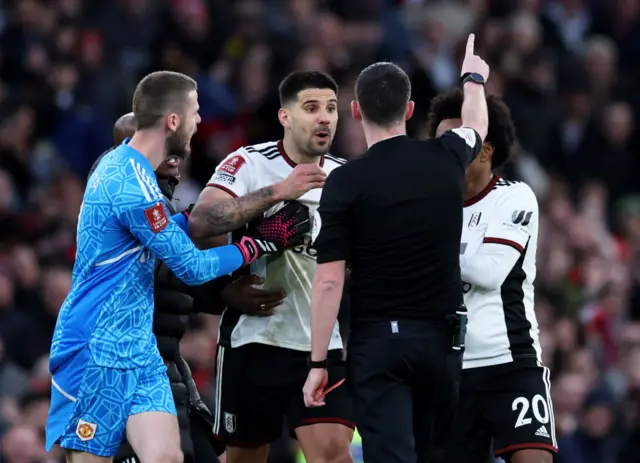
284, 229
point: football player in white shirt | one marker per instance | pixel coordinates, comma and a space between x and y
263, 360
505, 390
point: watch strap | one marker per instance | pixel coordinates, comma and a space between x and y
316, 363
473, 77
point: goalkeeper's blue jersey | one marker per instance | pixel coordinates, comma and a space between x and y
123, 225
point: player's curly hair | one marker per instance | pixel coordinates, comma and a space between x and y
501, 134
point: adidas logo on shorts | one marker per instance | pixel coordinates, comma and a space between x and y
542, 432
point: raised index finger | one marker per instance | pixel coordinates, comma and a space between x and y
470, 44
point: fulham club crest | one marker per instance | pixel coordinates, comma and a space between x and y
475, 220
229, 422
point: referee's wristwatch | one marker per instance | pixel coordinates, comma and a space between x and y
312, 364
472, 77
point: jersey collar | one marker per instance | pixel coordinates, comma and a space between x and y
290, 161
483, 193
137, 154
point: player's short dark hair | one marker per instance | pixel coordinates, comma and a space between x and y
383, 91
501, 134
296, 82
159, 93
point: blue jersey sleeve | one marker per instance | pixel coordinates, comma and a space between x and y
141, 210
181, 221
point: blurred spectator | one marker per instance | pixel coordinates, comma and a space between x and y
595, 440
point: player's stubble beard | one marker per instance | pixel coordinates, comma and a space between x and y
179, 143
308, 146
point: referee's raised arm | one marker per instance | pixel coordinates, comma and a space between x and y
464, 141
394, 215
474, 108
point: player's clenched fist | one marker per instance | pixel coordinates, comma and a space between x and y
473, 63
304, 177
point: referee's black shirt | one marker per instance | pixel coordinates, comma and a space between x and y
395, 215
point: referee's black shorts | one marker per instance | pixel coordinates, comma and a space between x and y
404, 378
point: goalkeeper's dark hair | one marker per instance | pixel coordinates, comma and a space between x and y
501, 134
159, 94
296, 82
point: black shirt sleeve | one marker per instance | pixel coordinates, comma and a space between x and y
330, 231
464, 142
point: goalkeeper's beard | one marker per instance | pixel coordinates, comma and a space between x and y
178, 144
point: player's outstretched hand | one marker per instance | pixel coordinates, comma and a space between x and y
243, 296
472, 62
304, 177
284, 229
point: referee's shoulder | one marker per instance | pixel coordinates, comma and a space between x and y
421, 144
338, 167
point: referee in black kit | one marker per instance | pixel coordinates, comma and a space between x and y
395, 216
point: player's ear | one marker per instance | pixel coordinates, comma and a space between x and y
355, 111
487, 152
283, 117
172, 122
409, 112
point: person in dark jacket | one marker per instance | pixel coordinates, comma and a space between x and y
175, 304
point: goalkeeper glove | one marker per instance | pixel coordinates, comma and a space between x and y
284, 229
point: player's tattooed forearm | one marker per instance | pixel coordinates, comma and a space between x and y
226, 215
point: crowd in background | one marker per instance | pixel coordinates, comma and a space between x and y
567, 69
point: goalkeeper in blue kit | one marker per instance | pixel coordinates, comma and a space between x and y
108, 377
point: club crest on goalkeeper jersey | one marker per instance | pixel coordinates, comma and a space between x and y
244, 171
502, 323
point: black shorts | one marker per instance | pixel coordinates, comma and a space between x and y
509, 404
258, 386
403, 378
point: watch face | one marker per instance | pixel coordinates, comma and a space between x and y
474, 77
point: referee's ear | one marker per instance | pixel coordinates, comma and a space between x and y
355, 110
409, 112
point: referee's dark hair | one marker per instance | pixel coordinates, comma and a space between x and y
501, 135
383, 91
296, 82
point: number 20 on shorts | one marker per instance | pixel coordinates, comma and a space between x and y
538, 406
